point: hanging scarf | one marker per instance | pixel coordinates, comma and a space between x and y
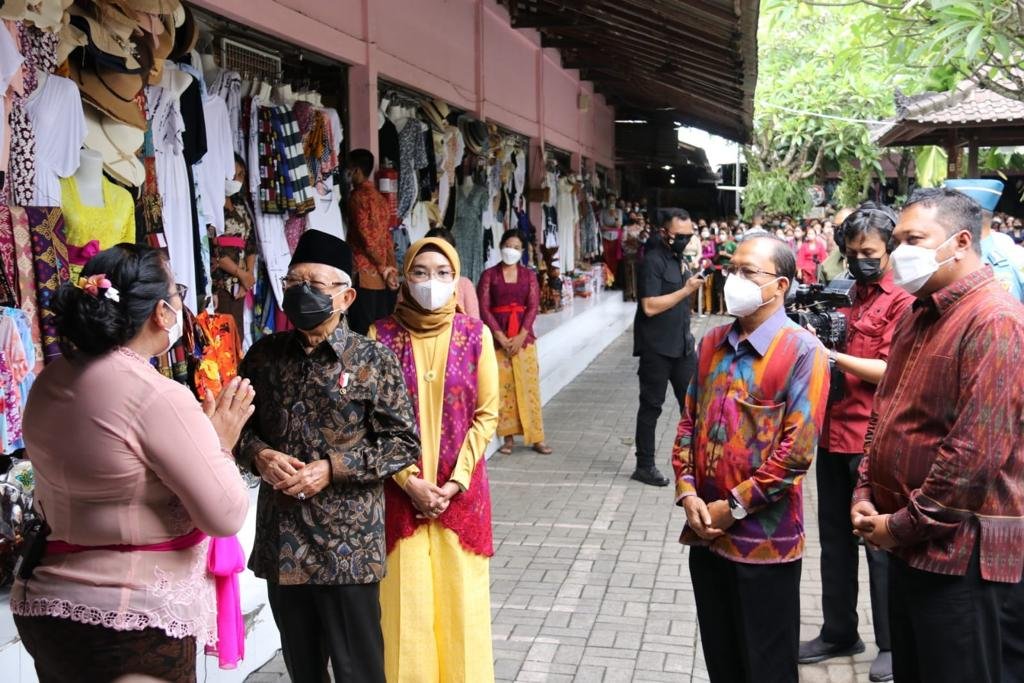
413, 317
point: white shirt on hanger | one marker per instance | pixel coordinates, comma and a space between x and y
55, 111
218, 164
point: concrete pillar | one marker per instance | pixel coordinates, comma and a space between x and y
362, 89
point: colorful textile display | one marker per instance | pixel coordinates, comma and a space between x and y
50, 263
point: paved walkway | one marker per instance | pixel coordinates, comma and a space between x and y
588, 581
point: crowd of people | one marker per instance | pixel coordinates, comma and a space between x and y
373, 523
915, 425
369, 444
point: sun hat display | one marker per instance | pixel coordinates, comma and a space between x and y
13, 9
101, 92
186, 34
110, 43
474, 133
69, 38
151, 6
118, 143
47, 15
163, 49
436, 113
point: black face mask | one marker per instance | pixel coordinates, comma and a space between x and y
307, 308
678, 244
866, 269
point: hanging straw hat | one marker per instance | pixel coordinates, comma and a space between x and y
110, 91
165, 45
47, 15
69, 38
119, 144
13, 10
109, 43
474, 133
436, 112
186, 34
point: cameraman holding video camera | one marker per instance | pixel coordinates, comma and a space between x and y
865, 237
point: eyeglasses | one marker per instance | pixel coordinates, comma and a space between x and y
288, 282
745, 271
181, 291
419, 274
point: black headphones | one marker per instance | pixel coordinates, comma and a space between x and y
839, 236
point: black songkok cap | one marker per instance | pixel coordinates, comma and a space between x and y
316, 246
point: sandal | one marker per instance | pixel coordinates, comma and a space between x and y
506, 448
543, 449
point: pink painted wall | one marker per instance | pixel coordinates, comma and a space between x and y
463, 51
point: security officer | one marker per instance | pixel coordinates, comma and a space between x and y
997, 249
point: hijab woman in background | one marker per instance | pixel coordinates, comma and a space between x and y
435, 599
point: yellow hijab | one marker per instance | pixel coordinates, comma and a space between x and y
409, 314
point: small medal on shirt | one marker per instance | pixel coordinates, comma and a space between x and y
344, 380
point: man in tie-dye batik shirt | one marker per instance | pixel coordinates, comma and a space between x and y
748, 434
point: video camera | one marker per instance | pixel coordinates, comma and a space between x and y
816, 306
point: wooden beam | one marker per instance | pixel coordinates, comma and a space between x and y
548, 21
564, 43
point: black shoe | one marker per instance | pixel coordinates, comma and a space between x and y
818, 650
881, 668
650, 476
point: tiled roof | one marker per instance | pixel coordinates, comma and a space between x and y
924, 119
969, 103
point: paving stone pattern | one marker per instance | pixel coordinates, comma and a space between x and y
588, 580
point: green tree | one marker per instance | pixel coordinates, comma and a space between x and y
818, 84
982, 40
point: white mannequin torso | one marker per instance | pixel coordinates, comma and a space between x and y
89, 178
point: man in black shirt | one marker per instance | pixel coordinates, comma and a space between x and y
661, 334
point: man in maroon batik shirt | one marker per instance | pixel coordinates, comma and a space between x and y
865, 237
941, 484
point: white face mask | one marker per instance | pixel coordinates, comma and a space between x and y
743, 296
432, 294
177, 329
510, 257
232, 187
913, 266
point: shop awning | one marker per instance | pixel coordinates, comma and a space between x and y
695, 60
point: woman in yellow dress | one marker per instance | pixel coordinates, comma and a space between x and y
435, 599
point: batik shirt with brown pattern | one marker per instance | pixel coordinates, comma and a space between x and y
346, 402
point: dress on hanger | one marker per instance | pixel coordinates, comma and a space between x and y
218, 164
168, 128
412, 155
469, 230
568, 215
228, 86
55, 111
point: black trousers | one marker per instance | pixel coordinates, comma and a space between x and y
840, 555
370, 306
656, 372
945, 629
749, 618
1012, 632
340, 623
